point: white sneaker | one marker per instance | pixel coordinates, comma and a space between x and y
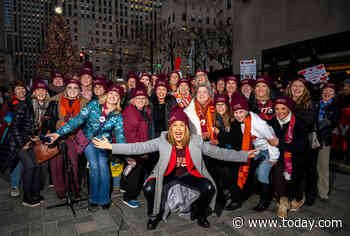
15, 192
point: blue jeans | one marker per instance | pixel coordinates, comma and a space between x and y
264, 167
99, 174
16, 175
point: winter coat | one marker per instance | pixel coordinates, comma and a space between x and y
296, 147
90, 115
170, 103
306, 115
135, 126
325, 127
196, 148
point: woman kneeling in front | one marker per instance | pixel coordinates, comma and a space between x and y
181, 161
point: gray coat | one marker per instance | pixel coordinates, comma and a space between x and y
196, 147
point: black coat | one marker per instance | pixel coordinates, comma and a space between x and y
296, 147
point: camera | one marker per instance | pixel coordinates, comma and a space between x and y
45, 139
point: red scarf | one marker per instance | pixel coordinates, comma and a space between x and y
67, 111
266, 110
246, 145
183, 101
205, 115
288, 139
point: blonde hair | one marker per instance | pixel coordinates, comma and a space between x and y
227, 118
103, 99
304, 99
267, 97
132, 101
171, 139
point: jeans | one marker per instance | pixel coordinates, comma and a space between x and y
16, 176
264, 167
99, 174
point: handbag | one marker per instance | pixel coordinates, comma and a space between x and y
44, 152
80, 142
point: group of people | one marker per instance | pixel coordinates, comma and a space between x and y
220, 142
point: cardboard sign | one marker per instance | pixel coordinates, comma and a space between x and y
248, 69
315, 74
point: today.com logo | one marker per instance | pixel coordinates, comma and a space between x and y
310, 224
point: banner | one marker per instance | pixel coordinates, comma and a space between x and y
248, 69
315, 74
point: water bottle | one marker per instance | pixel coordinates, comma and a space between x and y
127, 170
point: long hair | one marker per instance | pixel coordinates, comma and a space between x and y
171, 139
266, 98
305, 99
226, 117
103, 99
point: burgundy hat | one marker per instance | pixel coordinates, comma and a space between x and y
131, 75
39, 83
201, 71
250, 82
183, 81
174, 72
145, 74
56, 74
231, 78
86, 71
264, 79
71, 81
139, 91
178, 114
287, 101
221, 98
118, 89
328, 85
221, 78
156, 75
161, 83
102, 82
240, 102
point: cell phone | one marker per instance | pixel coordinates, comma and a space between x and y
45, 139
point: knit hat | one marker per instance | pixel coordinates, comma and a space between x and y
145, 74
118, 89
138, 91
200, 71
71, 81
231, 78
174, 72
101, 80
221, 78
250, 82
39, 83
178, 114
221, 98
287, 101
161, 83
240, 102
183, 81
86, 71
56, 75
131, 75
328, 85
264, 79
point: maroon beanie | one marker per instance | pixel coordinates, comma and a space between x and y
118, 89
231, 78
101, 80
240, 102
161, 83
264, 79
250, 82
221, 78
56, 74
145, 74
287, 101
178, 114
131, 75
183, 81
138, 91
221, 98
86, 71
71, 81
174, 72
201, 71
328, 85
38, 83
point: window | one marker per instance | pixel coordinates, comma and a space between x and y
208, 20
228, 4
184, 16
97, 33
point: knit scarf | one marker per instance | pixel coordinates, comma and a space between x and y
288, 155
266, 110
183, 101
246, 145
39, 111
322, 112
68, 111
205, 115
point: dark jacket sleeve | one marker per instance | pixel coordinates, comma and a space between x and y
50, 118
299, 139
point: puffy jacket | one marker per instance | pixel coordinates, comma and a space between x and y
90, 115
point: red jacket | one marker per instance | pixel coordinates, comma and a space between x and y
135, 126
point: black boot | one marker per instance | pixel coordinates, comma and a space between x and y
203, 222
153, 222
264, 202
233, 206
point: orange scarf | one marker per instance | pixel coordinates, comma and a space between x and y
205, 115
67, 111
246, 145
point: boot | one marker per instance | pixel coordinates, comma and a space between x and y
295, 205
153, 222
264, 202
283, 207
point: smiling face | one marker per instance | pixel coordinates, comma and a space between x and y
145, 80
201, 78
184, 89
132, 83
174, 78
178, 129
240, 115
220, 108
161, 92
297, 89
220, 86
231, 86
281, 111
113, 98
140, 102
99, 90
261, 91
202, 95
246, 90
327, 94
40, 94
86, 80
58, 82
20, 92
72, 90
